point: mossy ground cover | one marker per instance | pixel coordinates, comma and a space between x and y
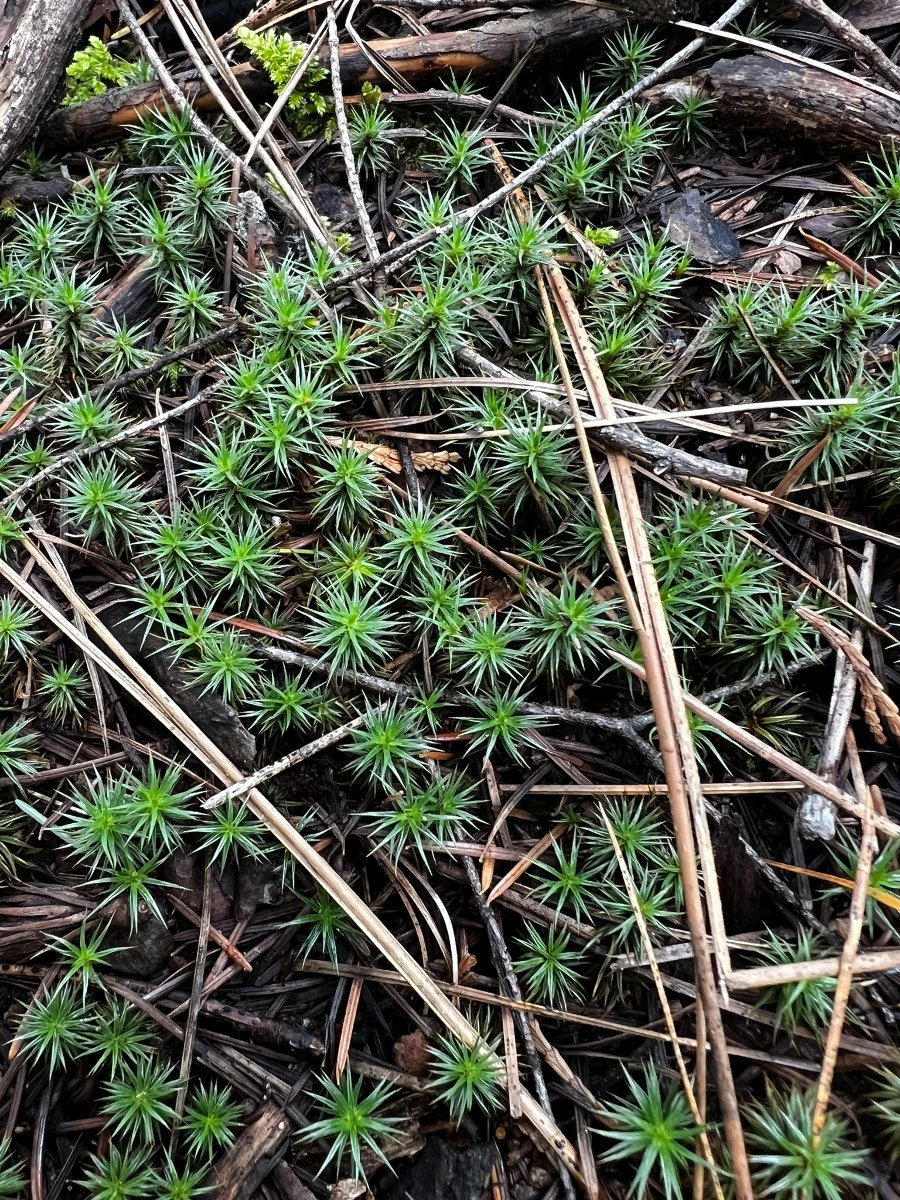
288, 489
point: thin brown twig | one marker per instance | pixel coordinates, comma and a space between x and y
293, 759
638, 555
627, 878
215, 935
524, 861
854, 610
38, 1139
878, 708
764, 351
130, 377
219, 1061
221, 334
193, 1012
868, 848
509, 983
737, 787
347, 1026
433, 96
675, 742
813, 514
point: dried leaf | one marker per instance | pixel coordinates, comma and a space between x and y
877, 706
389, 459
439, 460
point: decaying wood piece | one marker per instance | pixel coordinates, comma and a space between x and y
492, 47
18, 192
36, 41
242, 1169
108, 115
759, 92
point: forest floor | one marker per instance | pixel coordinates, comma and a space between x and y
449, 465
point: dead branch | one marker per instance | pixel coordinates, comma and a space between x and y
765, 93
485, 49
36, 41
861, 45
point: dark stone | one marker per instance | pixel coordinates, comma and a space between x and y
140, 952
185, 871
445, 1172
258, 882
662, 10
333, 202
692, 226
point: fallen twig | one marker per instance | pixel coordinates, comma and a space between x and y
858, 900
238, 790
815, 817
623, 439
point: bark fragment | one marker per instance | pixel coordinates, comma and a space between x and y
37, 38
759, 92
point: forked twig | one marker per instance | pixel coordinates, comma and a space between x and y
626, 728
621, 726
287, 91
270, 153
124, 435
816, 815
857, 41
626, 439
